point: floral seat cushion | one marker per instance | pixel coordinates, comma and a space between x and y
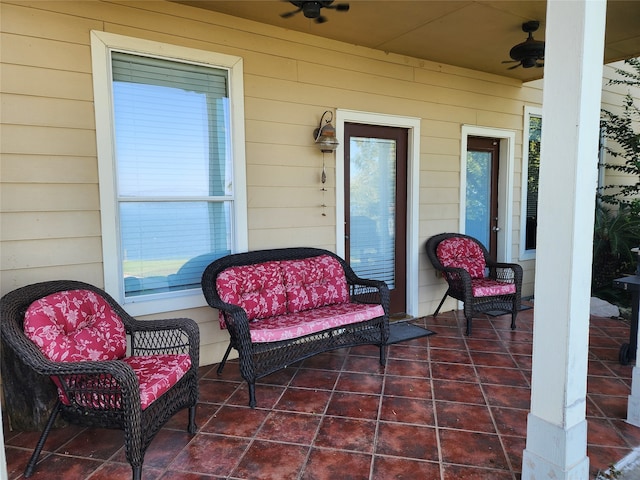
158, 373
458, 252
299, 324
79, 325
486, 287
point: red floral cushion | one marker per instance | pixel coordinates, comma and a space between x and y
295, 325
75, 325
485, 287
156, 374
458, 252
258, 289
314, 282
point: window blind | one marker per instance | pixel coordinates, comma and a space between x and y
372, 208
173, 171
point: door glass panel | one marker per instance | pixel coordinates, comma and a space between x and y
533, 169
372, 208
478, 216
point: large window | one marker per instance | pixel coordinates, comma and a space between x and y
531, 167
172, 171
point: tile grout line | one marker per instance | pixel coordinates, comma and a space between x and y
435, 413
379, 415
486, 398
323, 416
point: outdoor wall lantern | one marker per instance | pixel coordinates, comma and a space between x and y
325, 138
325, 135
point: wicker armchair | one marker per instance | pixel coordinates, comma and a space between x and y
121, 393
482, 284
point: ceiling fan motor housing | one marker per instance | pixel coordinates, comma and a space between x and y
311, 9
531, 50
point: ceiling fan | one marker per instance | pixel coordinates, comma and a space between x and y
313, 9
529, 53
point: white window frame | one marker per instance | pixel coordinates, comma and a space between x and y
528, 113
102, 43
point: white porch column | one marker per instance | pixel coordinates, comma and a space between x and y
556, 427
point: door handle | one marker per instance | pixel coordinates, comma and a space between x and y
495, 229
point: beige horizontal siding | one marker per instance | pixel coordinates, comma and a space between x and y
50, 252
38, 82
46, 111
28, 168
20, 226
37, 140
87, 272
48, 197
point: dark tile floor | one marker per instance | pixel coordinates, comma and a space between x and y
446, 407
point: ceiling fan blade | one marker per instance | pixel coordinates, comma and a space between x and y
290, 14
321, 19
515, 66
511, 61
341, 7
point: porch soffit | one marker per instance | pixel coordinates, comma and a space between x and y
474, 34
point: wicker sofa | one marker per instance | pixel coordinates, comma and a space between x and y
281, 306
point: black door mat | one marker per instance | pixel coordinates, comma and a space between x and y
402, 331
497, 313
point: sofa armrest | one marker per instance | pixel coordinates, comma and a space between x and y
369, 291
235, 319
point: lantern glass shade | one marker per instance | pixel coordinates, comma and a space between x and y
325, 136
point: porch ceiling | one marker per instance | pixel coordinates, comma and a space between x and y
475, 34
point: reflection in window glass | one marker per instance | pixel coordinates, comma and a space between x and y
372, 208
478, 218
173, 171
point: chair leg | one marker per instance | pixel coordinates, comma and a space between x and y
43, 438
514, 314
137, 473
469, 326
383, 355
224, 359
191, 428
252, 394
441, 302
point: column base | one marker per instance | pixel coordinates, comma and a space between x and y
633, 405
555, 452
633, 410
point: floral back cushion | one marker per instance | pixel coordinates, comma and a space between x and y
258, 289
314, 282
75, 325
459, 252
